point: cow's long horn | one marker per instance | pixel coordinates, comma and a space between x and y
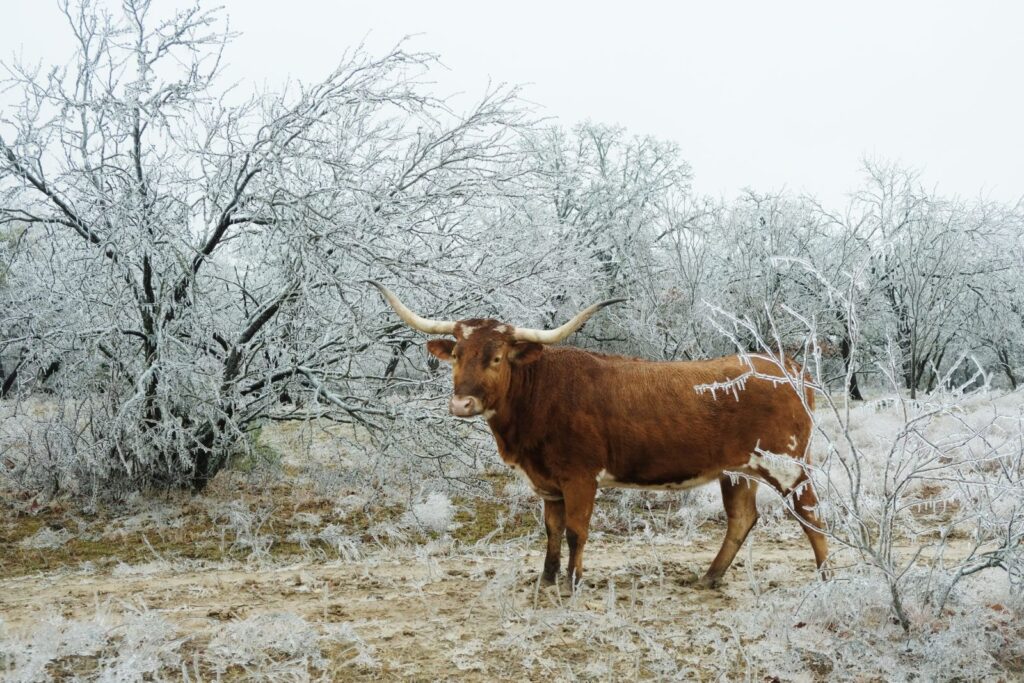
559, 333
411, 319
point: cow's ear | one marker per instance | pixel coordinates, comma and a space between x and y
442, 348
524, 353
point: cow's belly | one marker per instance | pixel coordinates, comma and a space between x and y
607, 480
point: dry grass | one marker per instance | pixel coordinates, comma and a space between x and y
101, 538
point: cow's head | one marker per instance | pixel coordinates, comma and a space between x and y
485, 352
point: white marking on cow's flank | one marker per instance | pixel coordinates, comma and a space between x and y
793, 442
783, 469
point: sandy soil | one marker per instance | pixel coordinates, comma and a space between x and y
470, 617
461, 604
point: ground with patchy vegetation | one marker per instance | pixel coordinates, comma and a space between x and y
278, 571
264, 575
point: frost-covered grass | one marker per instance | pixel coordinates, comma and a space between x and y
134, 645
317, 564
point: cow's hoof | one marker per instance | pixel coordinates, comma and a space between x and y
708, 582
547, 579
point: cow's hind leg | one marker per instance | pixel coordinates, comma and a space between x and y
804, 503
554, 523
579, 505
740, 500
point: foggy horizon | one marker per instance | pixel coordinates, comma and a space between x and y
784, 97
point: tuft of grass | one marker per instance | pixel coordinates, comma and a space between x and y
254, 455
479, 517
101, 538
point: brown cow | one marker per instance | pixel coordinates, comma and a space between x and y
573, 421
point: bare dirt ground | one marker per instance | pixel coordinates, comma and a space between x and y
463, 616
289, 573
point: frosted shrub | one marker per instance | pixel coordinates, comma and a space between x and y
174, 300
148, 645
243, 527
135, 646
922, 498
26, 657
269, 643
435, 514
46, 539
344, 545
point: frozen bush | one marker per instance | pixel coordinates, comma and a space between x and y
243, 527
46, 539
345, 545
147, 645
271, 643
435, 514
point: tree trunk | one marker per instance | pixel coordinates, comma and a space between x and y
846, 350
1004, 363
8, 382
397, 352
49, 371
207, 462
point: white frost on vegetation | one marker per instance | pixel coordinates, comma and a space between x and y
131, 647
259, 640
144, 569
436, 513
46, 539
282, 645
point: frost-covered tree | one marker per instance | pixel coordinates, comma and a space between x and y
190, 253
996, 318
757, 240
607, 197
933, 262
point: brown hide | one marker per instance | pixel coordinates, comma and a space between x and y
573, 414
573, 421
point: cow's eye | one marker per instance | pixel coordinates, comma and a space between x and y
495, 360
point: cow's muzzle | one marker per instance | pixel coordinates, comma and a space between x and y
465, 406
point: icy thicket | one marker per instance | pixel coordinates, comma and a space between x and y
179, 266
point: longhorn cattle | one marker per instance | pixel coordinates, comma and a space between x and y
573, 421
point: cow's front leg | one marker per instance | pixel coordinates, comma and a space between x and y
554, 522
579, 504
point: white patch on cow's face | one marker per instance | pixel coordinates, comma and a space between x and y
793, 442
466, 330
606, 480
502, 329
781, 468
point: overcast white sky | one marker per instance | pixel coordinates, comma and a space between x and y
759, 94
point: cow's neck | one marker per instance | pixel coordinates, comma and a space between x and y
514, 425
